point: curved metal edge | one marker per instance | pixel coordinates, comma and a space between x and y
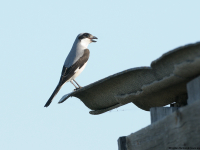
65, 97
111, 76
97, 112
172, 51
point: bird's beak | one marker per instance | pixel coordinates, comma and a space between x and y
92, 39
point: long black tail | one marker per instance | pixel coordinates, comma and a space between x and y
53, 95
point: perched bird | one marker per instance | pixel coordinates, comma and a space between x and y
74, 63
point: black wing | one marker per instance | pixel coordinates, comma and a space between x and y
67, 73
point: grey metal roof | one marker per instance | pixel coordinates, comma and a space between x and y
161, 84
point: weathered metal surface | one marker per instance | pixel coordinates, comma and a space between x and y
122, 143
178, 130
158, 113
161, 84
193, 88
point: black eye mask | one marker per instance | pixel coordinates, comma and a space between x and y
85, 35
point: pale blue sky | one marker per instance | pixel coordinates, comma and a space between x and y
35, 38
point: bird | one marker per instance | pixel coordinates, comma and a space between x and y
75, 62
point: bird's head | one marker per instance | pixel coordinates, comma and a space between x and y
86, 38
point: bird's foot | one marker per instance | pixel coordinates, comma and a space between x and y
77, 88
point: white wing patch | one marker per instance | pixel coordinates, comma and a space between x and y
77, 72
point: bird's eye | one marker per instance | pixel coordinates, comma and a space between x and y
86, 35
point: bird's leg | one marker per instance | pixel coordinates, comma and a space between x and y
77, 84
74, 85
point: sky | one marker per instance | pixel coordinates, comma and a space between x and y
36, 37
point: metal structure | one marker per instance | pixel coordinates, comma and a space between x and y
172, 130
